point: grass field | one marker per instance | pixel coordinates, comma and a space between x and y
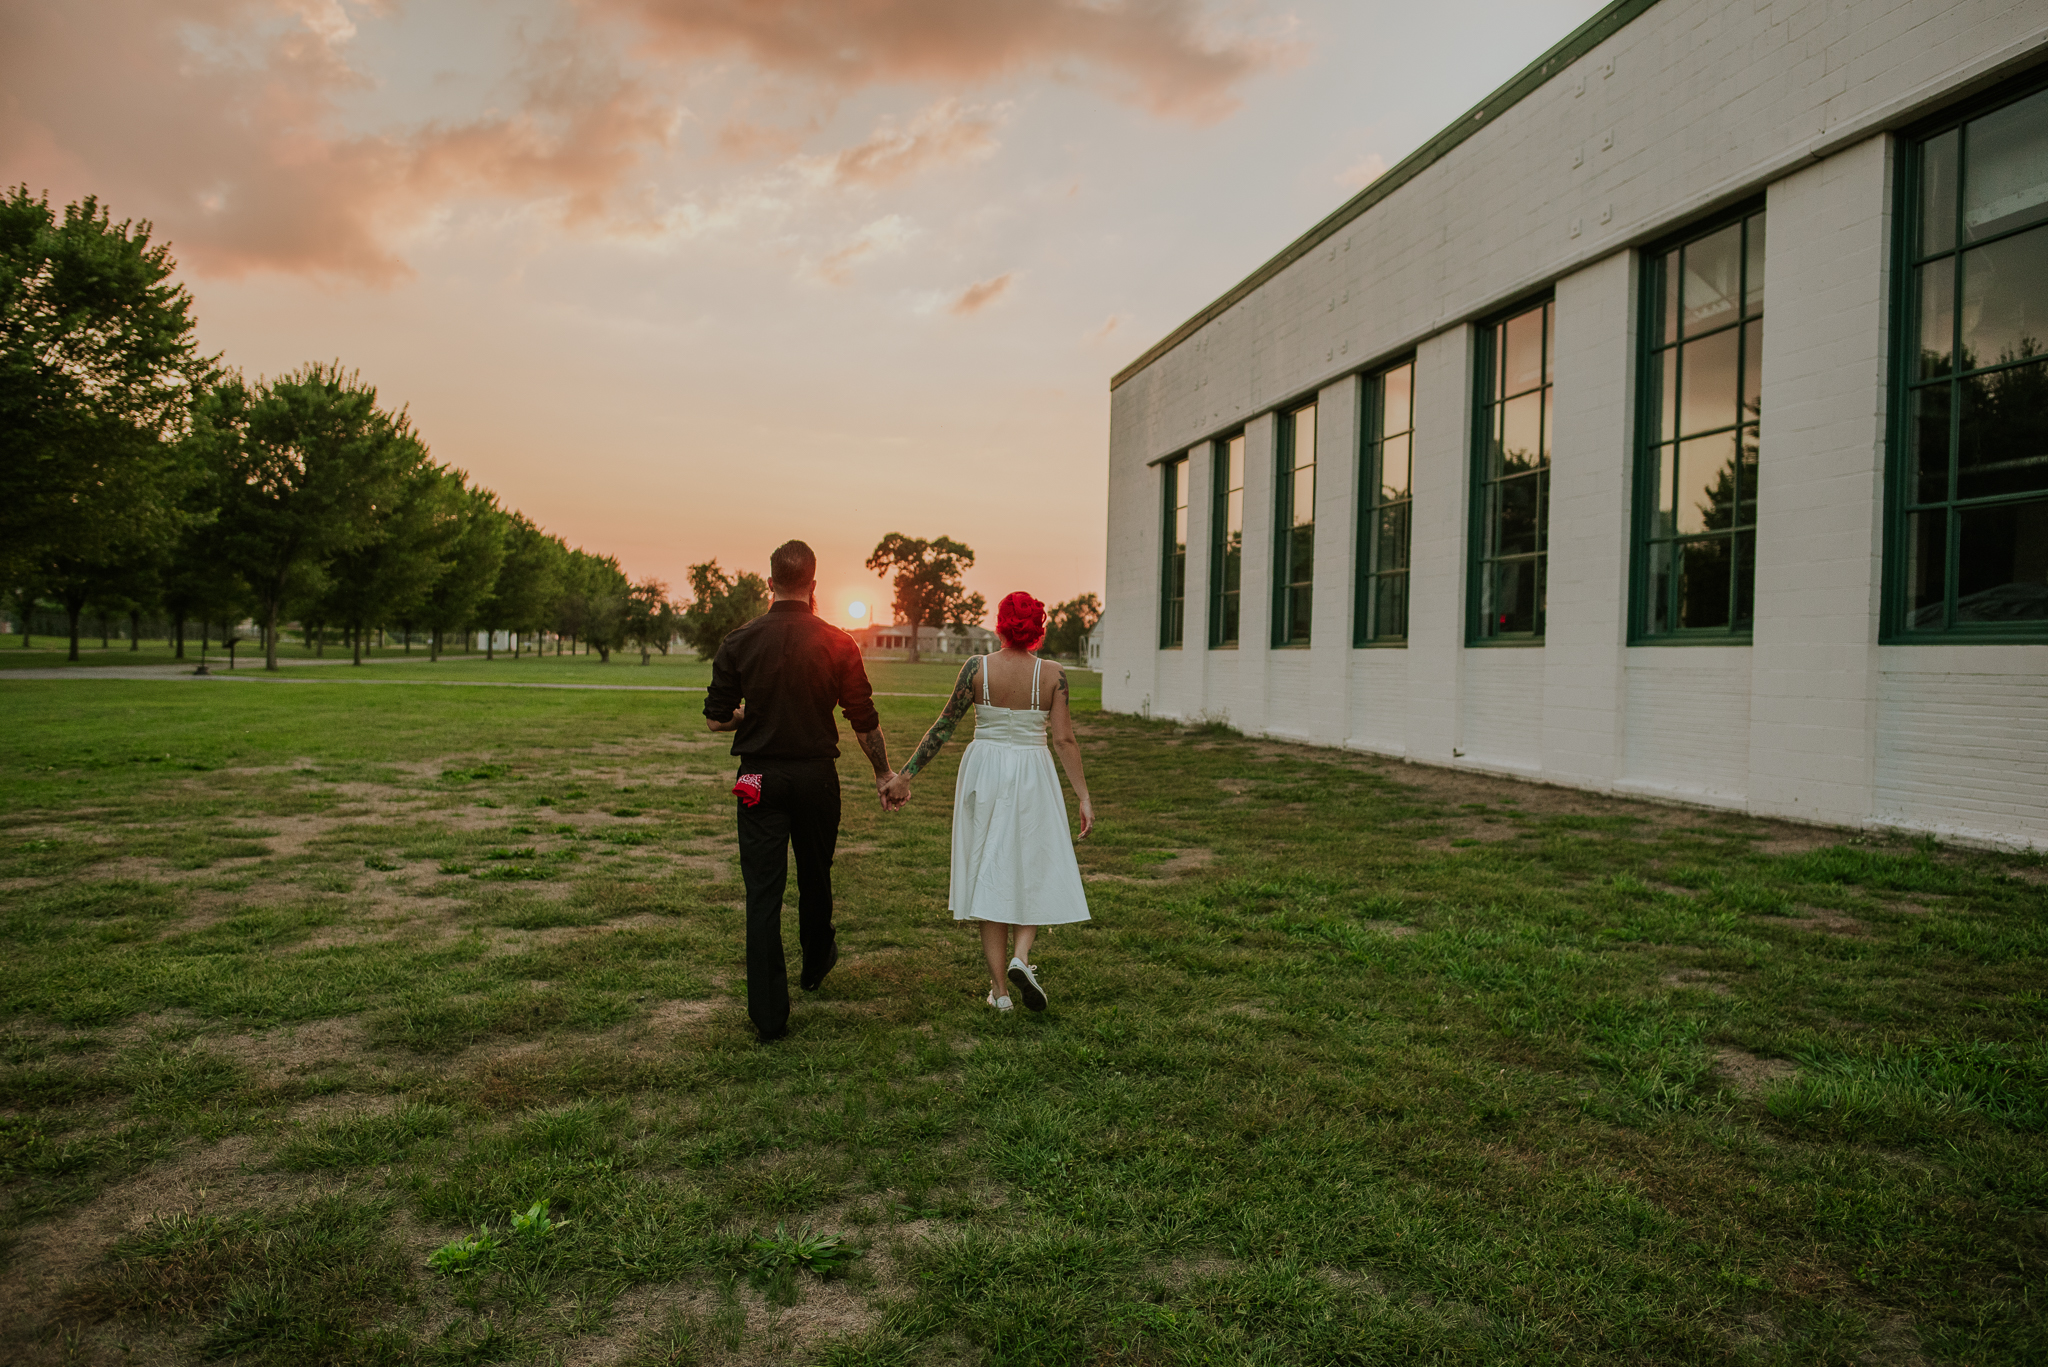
305, 986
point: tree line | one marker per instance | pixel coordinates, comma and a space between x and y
138, 475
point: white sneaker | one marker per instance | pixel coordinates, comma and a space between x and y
1026, 983
999, 1003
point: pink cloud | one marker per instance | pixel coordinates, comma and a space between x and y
981, 294
941, 134
1165, 56
233, 142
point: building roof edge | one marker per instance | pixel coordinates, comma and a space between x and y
1527, 81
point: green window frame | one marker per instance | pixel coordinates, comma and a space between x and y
1699, 410
1294, 525
1509, 541
1386, 462
1226, 542
1966, 545
1173, 559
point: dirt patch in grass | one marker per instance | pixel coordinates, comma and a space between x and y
1752, 1073
1178, 866
1823, 921
1700, 980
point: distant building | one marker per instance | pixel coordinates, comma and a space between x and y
1091, 644
1541, 457
976, 640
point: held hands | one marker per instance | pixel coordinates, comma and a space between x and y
894, 790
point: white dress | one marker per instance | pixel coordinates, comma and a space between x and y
1013, 859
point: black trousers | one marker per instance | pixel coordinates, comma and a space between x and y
799, 808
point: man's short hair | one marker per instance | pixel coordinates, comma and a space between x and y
792, 566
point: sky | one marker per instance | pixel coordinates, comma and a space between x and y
682, 279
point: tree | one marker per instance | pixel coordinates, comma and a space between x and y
99, 372
650, 617
526, 584
719, 602
601, 589
1066, 624
388, 576
471, 548
313, 464
929, 591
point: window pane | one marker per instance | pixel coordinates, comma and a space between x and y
1397, 392
1522, 352
1667, 397
1745, 477
1670, 268
1236, 464
1301, 556
1521, 437
1927, 439
1708, 390
1515, 531
2005, 300
1226, 633
1302, 504
1390, 549
2002, 563
1938, 193
1394, 468
1666, 521
1937, 316
1661, 555
1745, 579
2004, 447
1299, 602
1706, 484
1304, 451
1233, 558
1703, 583
1233, 515
1713, 280
2005, 180
1753, 270
1390, 606
1512, 596
1753, 371
1926, 566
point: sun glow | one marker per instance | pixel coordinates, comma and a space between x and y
856, 610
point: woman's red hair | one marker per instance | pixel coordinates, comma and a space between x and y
1020, 621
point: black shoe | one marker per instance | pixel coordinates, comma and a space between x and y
812, 984
768, 1038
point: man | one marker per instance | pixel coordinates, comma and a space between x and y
774, 683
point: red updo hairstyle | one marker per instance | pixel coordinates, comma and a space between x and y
1020, 621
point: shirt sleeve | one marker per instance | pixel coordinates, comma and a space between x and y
856, 694
722, 698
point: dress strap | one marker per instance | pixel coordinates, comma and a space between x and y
984, 679
1036, 664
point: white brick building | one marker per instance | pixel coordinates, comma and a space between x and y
1715, 494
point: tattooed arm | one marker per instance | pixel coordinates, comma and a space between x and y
942, 729
876, 749
1060, 726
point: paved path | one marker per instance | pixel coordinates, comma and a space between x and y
257, 675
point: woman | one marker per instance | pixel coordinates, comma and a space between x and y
1013, 864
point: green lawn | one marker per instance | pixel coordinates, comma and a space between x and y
1358, 1062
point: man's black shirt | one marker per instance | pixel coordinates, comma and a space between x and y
790, 669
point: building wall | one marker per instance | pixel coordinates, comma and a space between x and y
1694, 106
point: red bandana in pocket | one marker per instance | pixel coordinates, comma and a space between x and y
749, 789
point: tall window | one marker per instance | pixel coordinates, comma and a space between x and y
1381, 616
1226, 546
1969, 488
1173, 567
1294, 528
1511, 477
1696, 465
